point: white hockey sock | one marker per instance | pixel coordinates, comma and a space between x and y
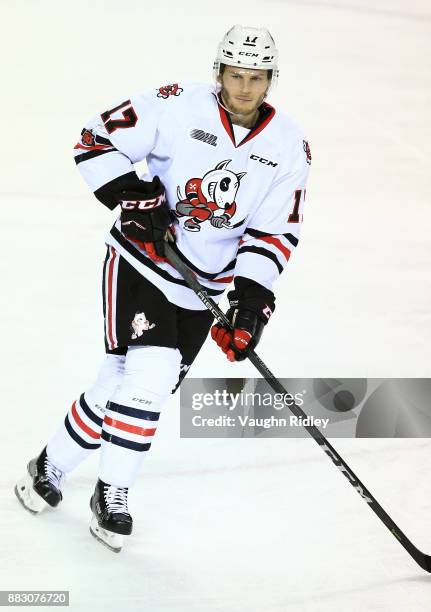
80, 432
150, 374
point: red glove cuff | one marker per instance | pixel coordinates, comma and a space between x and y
224, 338
149, 248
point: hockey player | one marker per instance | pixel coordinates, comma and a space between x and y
226, 184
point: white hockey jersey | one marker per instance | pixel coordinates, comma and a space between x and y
238, 196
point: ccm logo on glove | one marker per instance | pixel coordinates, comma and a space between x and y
143, 204
145, 214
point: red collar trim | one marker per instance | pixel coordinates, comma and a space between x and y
227, 123
266, 114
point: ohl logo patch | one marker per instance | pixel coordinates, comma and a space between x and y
210, 198
169, 90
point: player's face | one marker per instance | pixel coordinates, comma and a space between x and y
243, 89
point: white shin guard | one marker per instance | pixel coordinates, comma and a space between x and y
150, 374
80, 433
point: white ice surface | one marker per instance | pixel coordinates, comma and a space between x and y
232, 525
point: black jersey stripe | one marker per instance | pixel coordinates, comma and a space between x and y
90, 154
136, 446
258, 234
104, 141
239, 223
72, 433
137, 413
292, 239
146, 261
264, 252
201, 273
87, 410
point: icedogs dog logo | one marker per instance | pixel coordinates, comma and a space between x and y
140, 324
206, 197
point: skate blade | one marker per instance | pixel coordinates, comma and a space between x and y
113, 541
28, 497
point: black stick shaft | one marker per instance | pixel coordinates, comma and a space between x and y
421, 558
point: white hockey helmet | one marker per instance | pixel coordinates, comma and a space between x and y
247, 47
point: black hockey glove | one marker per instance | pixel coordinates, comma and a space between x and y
251, 306
145, 214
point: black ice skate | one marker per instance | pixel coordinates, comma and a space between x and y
41, 486
111, 519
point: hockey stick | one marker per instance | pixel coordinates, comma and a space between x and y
421, 558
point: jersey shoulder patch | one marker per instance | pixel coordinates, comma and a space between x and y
179, 91
165, 91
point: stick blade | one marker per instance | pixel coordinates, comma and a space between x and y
426, 563
422, 559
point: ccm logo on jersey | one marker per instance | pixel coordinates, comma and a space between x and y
262, 160
143, 204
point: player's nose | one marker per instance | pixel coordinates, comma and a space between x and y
245, 86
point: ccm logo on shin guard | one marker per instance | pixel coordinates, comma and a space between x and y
143, 204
